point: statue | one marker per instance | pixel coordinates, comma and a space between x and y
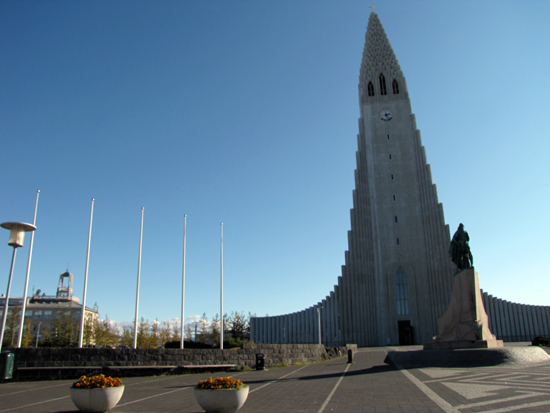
460, 249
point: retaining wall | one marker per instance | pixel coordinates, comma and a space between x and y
54, 363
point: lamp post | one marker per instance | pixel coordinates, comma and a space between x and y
183, 285
24, 308
38, 334
17, 236
83, 311
138, 278
221, 286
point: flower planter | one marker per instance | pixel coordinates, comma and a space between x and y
221, 400
96, 400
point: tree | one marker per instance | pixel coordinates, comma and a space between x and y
127, 338
225, 326
89, 327
143, 333
239, 323
105, 333
65, 330
46, 335
175, 333
27, 333
154, 335
164, 333
215, 331
188, 333
12, 326
203, 338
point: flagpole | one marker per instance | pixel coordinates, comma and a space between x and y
83, 311
183, 285
21, 324
138, 277
221, 286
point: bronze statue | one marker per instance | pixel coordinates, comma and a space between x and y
460, 249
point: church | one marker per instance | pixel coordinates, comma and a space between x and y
397, 277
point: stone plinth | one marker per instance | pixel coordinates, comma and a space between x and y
469, 357
465, 323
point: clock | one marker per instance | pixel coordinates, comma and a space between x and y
386, 115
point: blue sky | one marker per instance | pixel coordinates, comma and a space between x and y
245, 112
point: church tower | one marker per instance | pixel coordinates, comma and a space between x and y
397, 277
397, 268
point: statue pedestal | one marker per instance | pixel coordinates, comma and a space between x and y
465, 323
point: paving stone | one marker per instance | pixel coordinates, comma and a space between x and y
368, 385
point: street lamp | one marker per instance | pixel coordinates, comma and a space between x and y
17, 235
38, 333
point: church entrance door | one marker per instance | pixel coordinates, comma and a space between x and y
405, 332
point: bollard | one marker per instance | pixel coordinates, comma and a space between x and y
260, 361
350, 356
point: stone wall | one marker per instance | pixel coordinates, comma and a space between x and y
55, 363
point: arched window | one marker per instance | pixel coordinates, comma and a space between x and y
370, 88
401, 292
382, 80
395, 87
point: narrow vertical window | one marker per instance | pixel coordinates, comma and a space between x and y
396, 219
394, 197
392, 177
390, 156
370, 89
382, 80
397, 241
388, 136
395, 87
401, 292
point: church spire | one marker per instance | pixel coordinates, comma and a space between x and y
380, 73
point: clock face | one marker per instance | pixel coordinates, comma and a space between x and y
386, 115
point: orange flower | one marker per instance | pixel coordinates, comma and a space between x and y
220, 383
96, 382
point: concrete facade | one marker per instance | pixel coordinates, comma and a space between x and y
43, 310
397, 278
516, 322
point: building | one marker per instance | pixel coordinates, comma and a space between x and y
42, 310
397, 277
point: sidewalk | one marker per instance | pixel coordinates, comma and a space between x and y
367, 385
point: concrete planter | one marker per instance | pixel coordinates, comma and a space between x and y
221, 400
96, 400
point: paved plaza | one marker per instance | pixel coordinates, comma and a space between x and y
367, 385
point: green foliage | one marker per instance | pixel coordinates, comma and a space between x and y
176, 333
215, 331
204, 335
143, 333
105, 333
241, 368
46, 336
153, 341
240, 324
164, 333
188, 333
232, 342
127, 338
88, 336
63, 331
27, 338
187, 344
12, 326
